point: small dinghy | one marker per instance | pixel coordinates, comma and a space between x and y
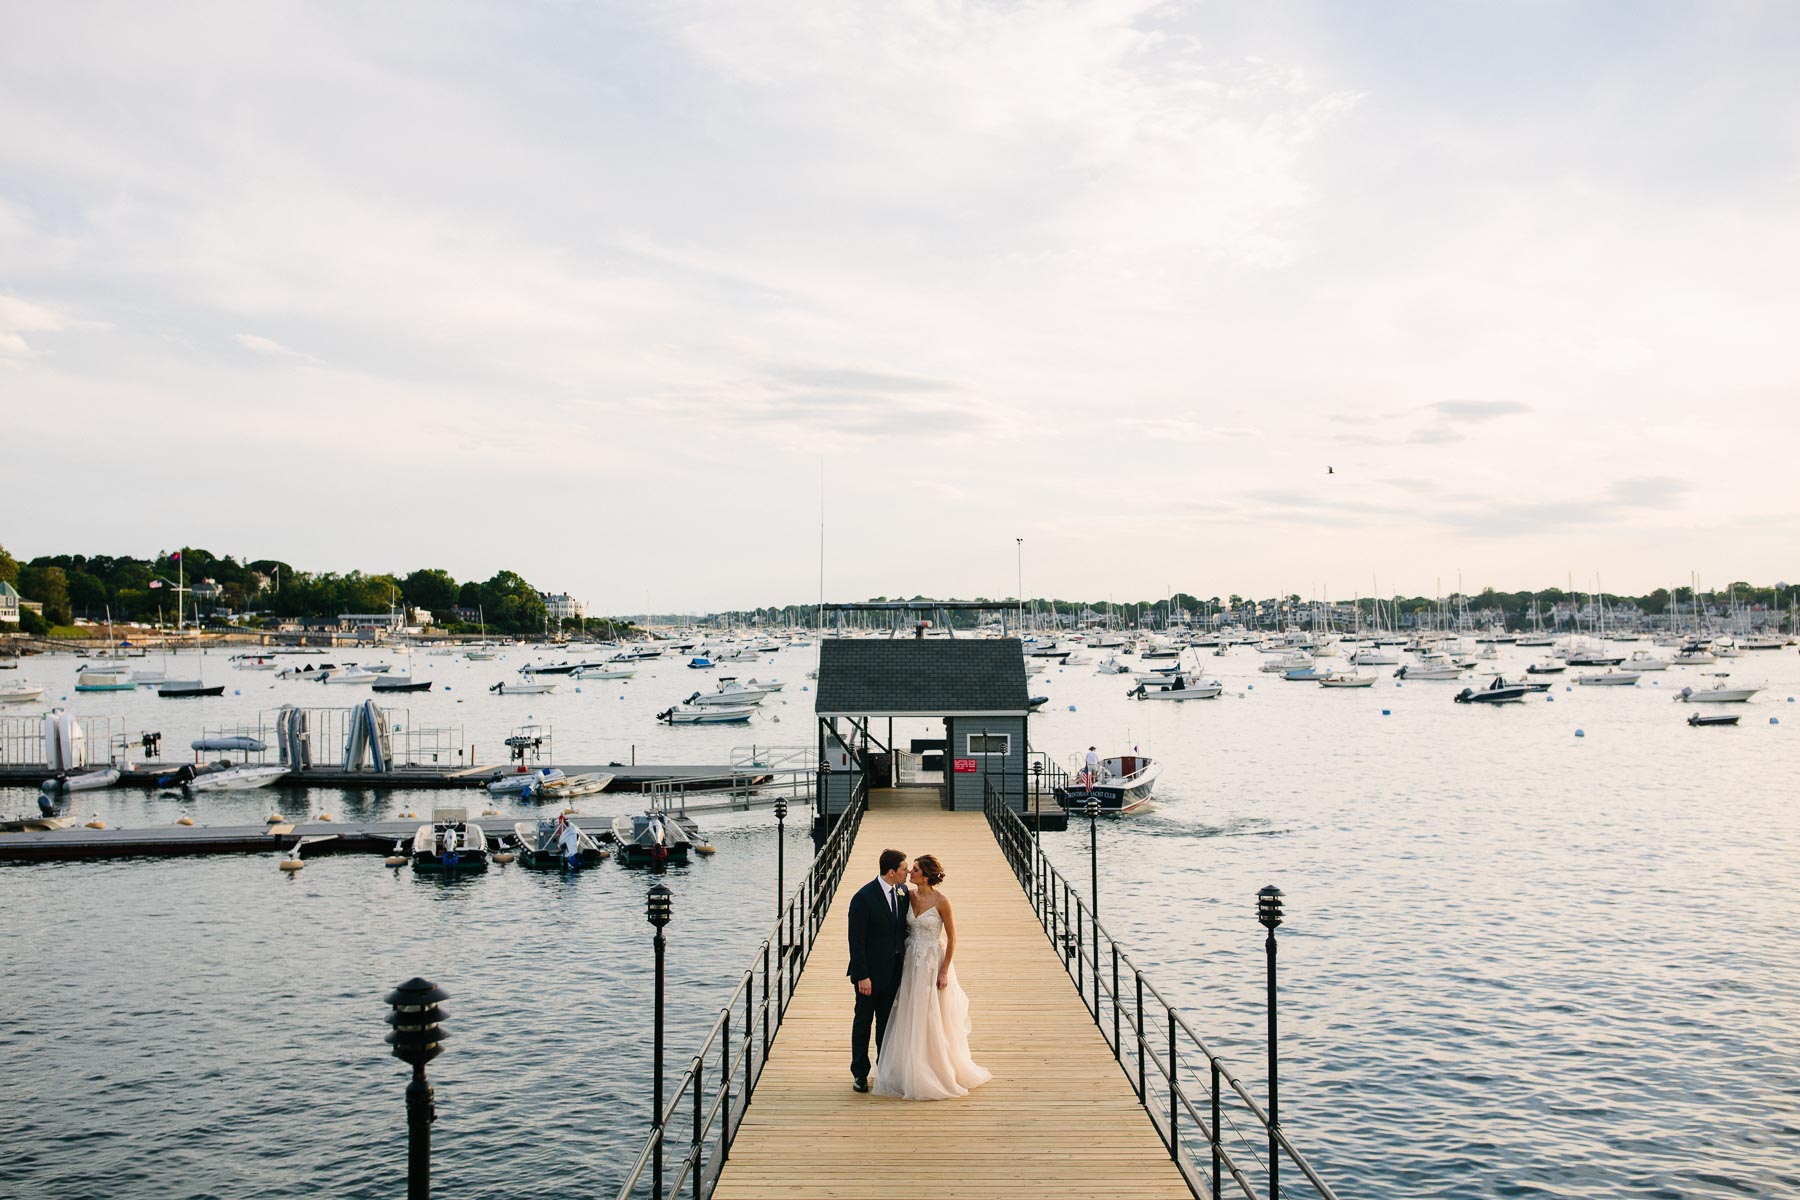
20, 693
1699, 719
234, 779
557, 844
525, 784
1347, 681
522, 689
400, 683
79, 781
592, 783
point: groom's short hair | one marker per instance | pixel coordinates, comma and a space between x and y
891, 860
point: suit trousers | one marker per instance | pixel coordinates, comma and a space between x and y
871, 1010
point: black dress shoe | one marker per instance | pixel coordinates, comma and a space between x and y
860, 1085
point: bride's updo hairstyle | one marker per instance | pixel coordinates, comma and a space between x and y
931, 867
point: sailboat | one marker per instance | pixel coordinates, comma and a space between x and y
186, 689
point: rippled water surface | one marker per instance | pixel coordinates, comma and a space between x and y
1517, 961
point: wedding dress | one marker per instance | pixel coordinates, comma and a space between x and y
925, 1055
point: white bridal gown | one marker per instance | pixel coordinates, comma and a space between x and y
925, 1055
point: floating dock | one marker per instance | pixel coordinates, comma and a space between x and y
314, 838
627, 777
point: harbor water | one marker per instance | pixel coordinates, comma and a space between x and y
1517, 961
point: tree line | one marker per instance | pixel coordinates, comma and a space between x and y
267, 590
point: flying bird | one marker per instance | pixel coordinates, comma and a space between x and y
1330, 471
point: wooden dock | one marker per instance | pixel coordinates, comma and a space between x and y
1059, 1119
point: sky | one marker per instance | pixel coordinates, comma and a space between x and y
634, 299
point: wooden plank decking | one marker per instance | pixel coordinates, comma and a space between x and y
1059, 1119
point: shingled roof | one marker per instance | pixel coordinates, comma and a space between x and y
921, 677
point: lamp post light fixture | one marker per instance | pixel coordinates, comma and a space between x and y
417, 1038
660, 909
1268, 912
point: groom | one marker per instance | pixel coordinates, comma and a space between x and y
877, 945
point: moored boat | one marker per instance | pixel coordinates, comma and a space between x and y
187, 689
557, 843
1718, 693
711, 715
521, 689
649, 839
450, 844
234, 779
1497, 692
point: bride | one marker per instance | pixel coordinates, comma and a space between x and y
925, 1055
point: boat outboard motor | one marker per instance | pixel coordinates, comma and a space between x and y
1462, 697
692, 698
45, 805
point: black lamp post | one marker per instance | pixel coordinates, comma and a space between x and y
781, 812
1268, 911
660, 908
1037, 830
417, 1033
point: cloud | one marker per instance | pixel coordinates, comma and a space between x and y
1648, 491
263, 345
1474, 411
22, 316
1438, 434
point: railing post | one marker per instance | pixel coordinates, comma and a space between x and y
1215, 1125
1139, 977
765, 1003
1174, 1097
1118, 1047
1080, 965
699, 1098
725, 1089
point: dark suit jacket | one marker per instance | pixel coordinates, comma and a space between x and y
877, 936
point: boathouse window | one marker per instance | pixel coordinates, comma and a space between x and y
990, 743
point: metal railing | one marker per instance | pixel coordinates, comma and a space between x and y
1218, 1135
700, 1118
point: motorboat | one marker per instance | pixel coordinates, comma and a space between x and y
765, 685
92, 678
1286, 663
64, 782
1160, 647
1695, 656
651, 838
605, 671
1447, 670
450, 845
235, 779
1592, 656
522, 689
525, 784
351, 674
1122, 785
1047, 650
253, 662
312, 671
557, 843
20, 693
1311, 673
561, 668
1374, 658
1547, 666
1347, 681
700, 663
1718, 693
1609, 679
1497, 692
1112, 666
730, 694
1643, 660
188, 689
1177, 687
1704, 719
711, 715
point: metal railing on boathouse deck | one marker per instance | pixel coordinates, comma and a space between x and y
700, 1118
1169, 1065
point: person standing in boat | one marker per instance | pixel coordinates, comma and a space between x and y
1091, 768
